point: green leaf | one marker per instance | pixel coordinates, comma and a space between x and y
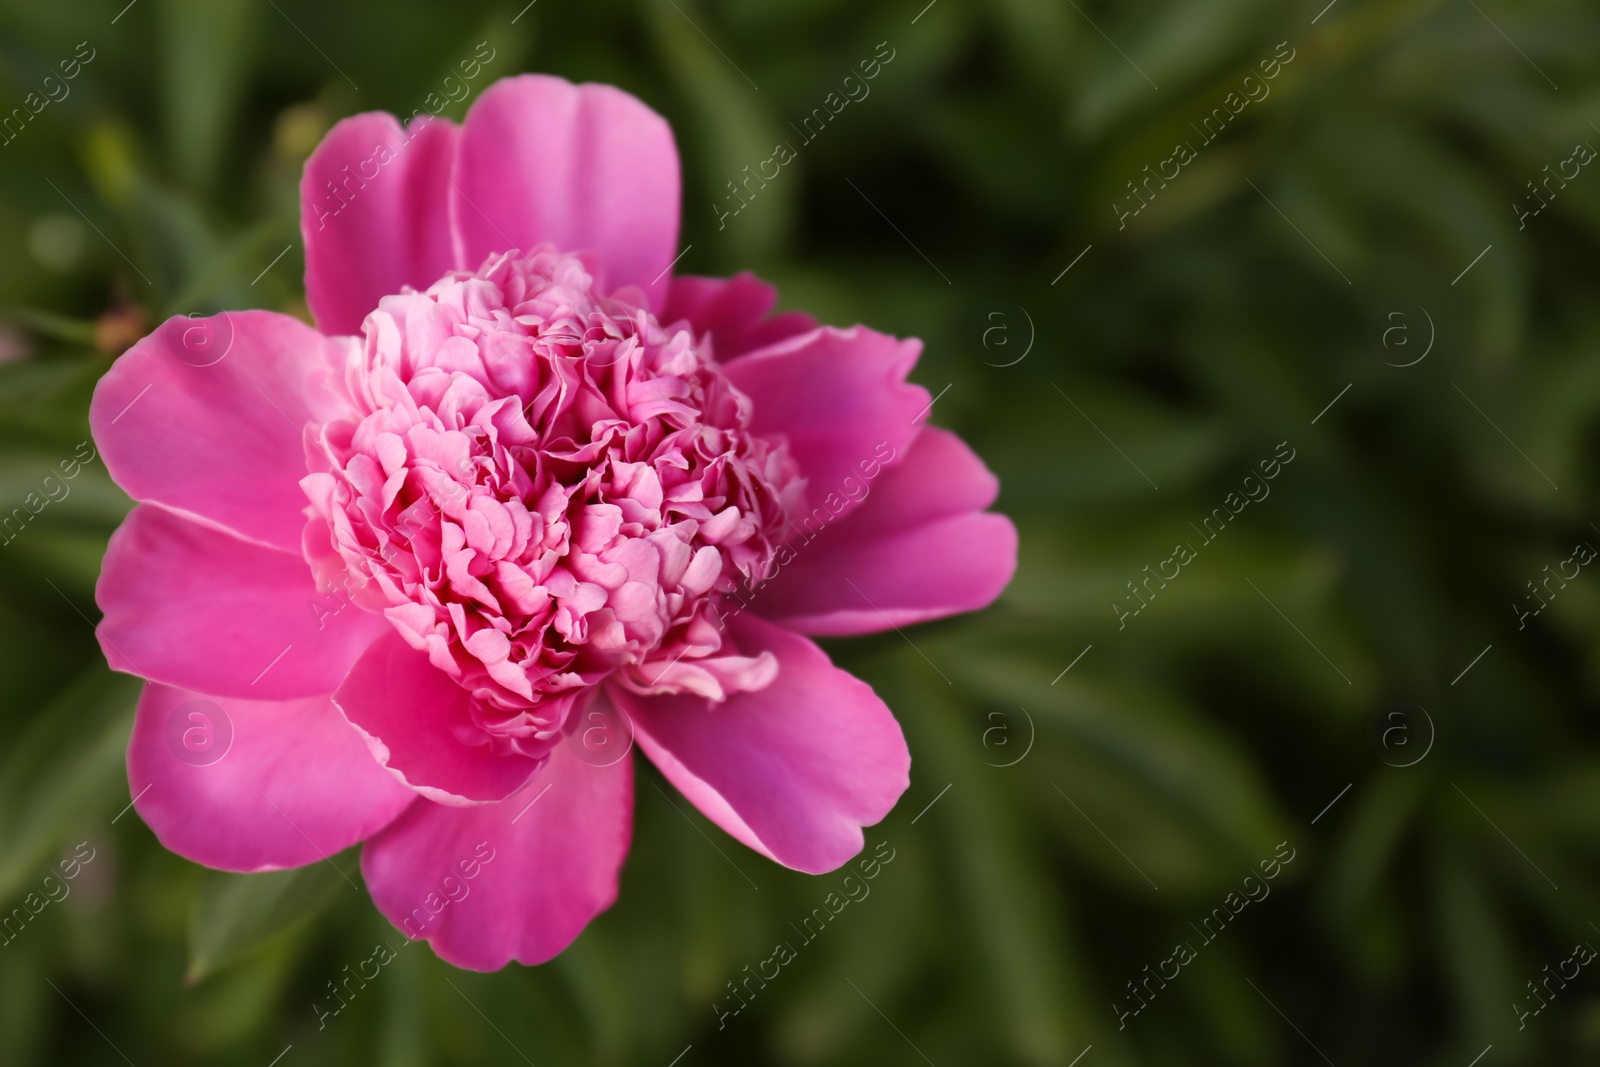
209, 50
234, 914
1157, 778
67, 767
1013, 911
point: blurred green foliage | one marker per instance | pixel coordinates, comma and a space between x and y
1177, 352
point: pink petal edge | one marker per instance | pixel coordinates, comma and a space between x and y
263, 805
586, 168
407, 710
375, 214
918, 548
794, 770
207, 417
554, 851
840, 399
198, 608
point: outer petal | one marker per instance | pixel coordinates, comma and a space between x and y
193, 606
582, 167
207, 416
295, 786
518, 880
375, 214
841, 400
734, 311
409, 712
794, 770
918, 548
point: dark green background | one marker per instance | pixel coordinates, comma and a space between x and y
1214, 326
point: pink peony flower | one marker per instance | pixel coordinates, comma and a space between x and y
388, 577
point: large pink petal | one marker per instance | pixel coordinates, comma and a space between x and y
919, 547
193, 606
208, 416
794, 770
294, 786
946, 567
937, 477
411, 713
375, 214
586, 168
841, 400
518, 880
736, 312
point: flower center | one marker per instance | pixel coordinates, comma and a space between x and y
543, 488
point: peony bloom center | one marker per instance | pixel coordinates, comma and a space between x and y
542, 489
